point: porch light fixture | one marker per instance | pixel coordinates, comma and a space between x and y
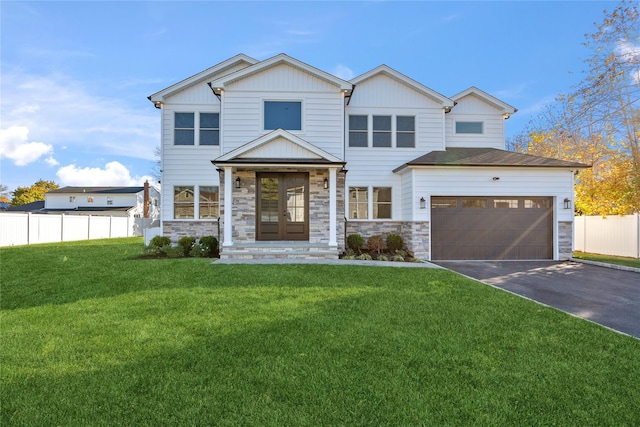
423, 203
238, 182
326, 183
567, 203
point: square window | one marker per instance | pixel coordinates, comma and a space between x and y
184, 129
505, 203
72, 199
89, 199
109, 200
474, 203
358, 128
283, 115
209, 129
470, 127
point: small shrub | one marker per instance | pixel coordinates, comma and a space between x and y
186, 243
349, 252
349, 257
198, 250
364, 257
394, 243
210, 245
375, 244
159, 241
397, 258
355, 242
383, 258
173, 251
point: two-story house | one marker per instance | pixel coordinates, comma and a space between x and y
278, 158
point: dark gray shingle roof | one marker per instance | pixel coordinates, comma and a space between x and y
488, 157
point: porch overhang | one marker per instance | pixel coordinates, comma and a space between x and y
250, 163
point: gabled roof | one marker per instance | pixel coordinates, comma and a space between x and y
506, 108
97, 190
388, 71
487, 157
221, 82
202, 76
271, 149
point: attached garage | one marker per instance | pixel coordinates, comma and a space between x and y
491, 228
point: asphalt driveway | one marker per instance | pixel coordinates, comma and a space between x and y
603, 295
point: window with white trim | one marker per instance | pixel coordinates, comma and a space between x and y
183, 202
405, 131
358, 131
285, 115
473, 128
209, 202
382, 131
209, 129
359, 207
184, 129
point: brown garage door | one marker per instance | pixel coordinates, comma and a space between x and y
491, 228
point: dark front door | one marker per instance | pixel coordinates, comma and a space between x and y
283, 206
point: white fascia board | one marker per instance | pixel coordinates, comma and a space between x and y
220, 83
506, 108
201, 76
407, 81
278, 133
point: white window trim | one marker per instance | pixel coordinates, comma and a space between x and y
394, 130
370, 203
197, 136
303, 109
469, 121
196, 202
196, 129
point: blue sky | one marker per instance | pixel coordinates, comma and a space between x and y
75, 75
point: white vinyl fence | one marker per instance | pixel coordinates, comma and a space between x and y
611, 235
30, 228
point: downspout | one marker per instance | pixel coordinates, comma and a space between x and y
214, 92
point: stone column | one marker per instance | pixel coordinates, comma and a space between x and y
228, 206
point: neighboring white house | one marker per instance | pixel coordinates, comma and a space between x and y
137, 203
278, 158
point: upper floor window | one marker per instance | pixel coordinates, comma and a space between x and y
89, 199
385, 131
405, 131
283, 115
184, 129
382, 131
72, 199
470, 127
209, 129
109, 200
358, 128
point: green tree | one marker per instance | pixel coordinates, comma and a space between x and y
24, 195
598, 122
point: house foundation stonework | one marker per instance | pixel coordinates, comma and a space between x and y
284, 153
565, 240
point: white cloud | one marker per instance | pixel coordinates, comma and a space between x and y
343, 72
113, 174
631, 54
14, 145
63, 112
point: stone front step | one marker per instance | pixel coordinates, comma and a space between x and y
279, 250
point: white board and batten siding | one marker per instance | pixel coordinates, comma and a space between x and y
478, 181
322, 107
373, 166
472, 109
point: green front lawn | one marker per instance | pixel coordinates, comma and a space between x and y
94, 336
609, 259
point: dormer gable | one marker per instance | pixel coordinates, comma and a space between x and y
277, 146
505, 109
228, 66
406, 81
220, 84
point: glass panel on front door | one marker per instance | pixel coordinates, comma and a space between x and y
282, 209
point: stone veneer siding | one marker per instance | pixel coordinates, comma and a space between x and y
414, 234
565, 240
177, 229
244, 205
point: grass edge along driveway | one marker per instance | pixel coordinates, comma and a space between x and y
92, 335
